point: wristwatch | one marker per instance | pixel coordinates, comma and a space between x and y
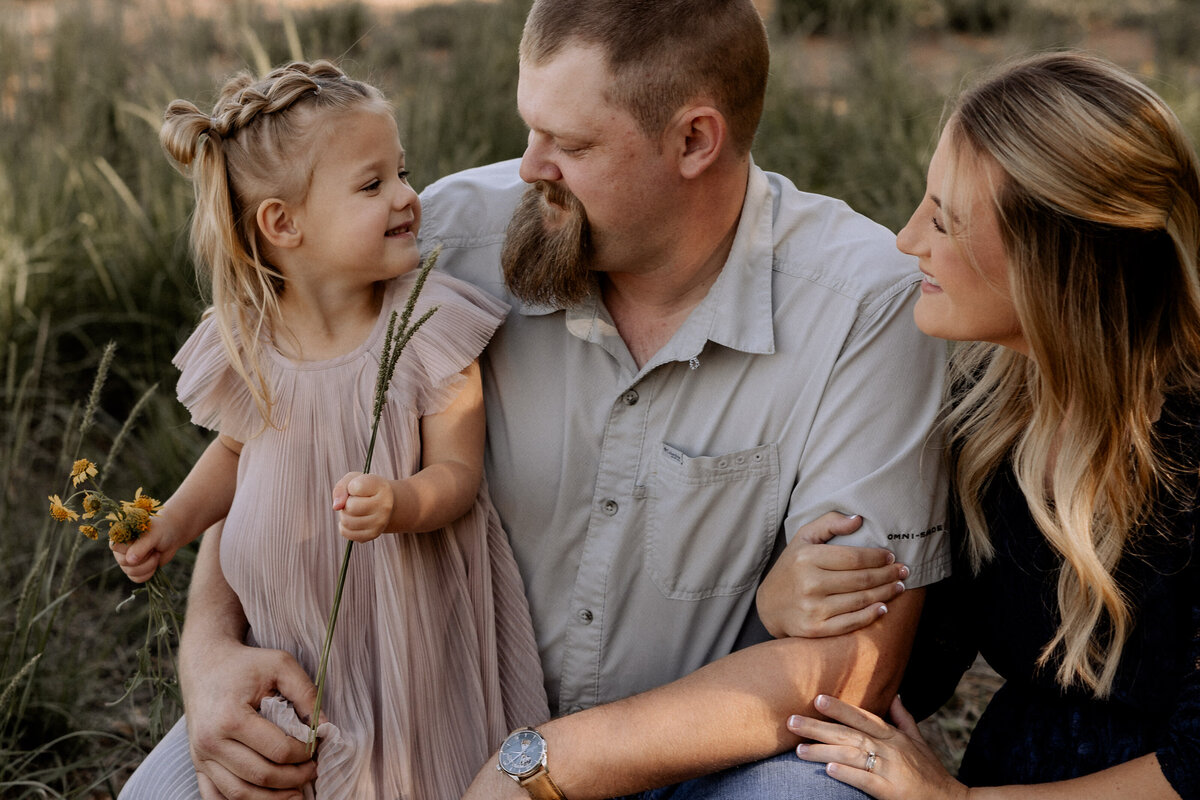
523, 758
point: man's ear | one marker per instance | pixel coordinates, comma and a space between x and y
700, 134
278, 224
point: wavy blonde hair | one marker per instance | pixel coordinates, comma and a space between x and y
1099, 213
259, 142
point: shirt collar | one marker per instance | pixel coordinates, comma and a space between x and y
737, 312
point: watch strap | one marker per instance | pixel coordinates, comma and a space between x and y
542, 787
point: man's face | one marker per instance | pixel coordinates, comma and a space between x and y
603, 182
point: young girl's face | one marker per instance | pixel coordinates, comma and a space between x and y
359, 221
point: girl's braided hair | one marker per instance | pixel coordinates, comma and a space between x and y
260, 141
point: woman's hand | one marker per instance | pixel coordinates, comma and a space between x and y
817, 590
865, 752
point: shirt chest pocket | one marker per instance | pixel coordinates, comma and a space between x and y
712, 521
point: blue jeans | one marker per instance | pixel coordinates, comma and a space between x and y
783, 776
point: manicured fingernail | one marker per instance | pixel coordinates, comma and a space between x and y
891, 558
794, 721
903, 572
882, 609
899, 586
822, 702
831, 768
801, 749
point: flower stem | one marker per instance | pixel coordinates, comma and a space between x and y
393, 344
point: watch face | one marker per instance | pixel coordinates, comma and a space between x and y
522, 753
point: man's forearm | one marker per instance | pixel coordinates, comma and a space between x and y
214, 612
730, 712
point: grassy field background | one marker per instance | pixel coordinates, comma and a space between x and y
93, 250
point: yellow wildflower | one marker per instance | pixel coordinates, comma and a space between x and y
89, 531
81, 471
137, 519
145, 501
91, 505
59, 511
119, 533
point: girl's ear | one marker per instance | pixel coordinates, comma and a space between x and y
278, 224
699, 135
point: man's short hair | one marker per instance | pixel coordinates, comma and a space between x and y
663, 54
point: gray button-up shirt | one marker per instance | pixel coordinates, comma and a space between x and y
645, 505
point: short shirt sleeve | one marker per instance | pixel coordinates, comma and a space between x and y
874, 449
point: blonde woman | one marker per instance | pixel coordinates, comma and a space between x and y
1059, 235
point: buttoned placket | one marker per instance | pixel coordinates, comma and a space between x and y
612, 507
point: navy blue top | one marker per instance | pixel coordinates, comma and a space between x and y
1033, 730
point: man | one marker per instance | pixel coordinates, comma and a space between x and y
700, 360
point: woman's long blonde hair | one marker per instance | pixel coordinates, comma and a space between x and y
259, 142
1099, 212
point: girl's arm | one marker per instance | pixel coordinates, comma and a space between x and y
445, 488
905, 766
202, 499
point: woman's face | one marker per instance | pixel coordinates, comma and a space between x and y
965, 295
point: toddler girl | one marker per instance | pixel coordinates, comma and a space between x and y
306, 225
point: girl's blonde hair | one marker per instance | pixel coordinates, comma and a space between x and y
1099, 212
258, 142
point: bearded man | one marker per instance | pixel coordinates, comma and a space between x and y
700, 361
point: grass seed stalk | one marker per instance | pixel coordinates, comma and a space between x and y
399, 332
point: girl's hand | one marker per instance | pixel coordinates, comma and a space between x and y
141, 559
364, 505
817, 590
866, 753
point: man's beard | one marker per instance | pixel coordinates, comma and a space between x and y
547, 249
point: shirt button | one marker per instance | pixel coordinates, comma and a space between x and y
609, 507
630, 398
585, 616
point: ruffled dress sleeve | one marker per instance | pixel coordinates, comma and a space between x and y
212, 391
447, 343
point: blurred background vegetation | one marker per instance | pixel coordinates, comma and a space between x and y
93, 250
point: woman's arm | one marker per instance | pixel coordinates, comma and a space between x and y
445, 488
905, 768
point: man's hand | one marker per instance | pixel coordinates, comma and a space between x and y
237, 753
816, 590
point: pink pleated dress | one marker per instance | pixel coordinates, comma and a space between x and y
433, 658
